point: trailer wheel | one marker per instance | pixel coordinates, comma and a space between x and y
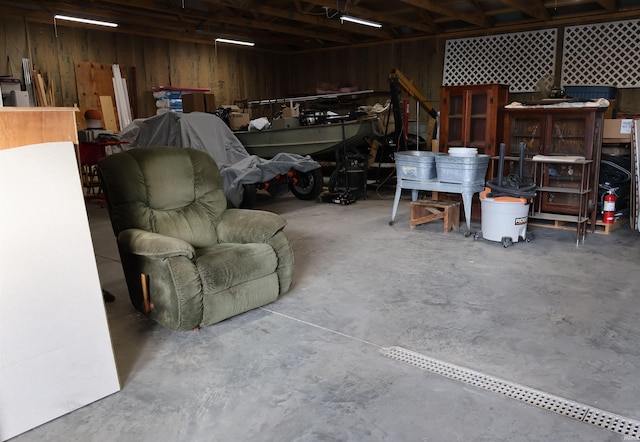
307, 185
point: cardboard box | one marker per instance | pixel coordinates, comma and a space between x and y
193, 102
291, 112
10, 84
18, 99
209, 103
611, 110
285, 123
233, 107
238, 120
617, 131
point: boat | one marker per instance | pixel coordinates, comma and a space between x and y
313, 140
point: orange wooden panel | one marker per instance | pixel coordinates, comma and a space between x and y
20, 126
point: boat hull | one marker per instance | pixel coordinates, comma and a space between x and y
306, 140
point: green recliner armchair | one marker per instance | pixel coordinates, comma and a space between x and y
188, 260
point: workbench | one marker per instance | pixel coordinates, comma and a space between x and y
466, 189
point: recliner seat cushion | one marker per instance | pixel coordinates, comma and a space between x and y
238, 299
225, 265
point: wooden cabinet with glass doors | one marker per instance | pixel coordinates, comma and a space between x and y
558, 132
471, 116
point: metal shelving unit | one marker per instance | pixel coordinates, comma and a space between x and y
548, 192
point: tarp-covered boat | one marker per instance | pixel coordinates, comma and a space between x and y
313, 140
238, 168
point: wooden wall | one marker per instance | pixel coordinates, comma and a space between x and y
230, 73
368, 67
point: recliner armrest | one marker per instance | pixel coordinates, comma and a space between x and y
247, 226
154, 245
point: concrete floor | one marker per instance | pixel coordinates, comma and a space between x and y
309, 367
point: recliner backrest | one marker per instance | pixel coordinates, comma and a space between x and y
168, 190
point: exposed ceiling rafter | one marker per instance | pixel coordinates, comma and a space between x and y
533, 8
300, 25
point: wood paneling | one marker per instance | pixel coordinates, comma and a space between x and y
231, 73
13, 48
66, 54
368, 67
21, 126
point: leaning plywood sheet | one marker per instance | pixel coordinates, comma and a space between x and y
93, 80
108, 113
55, 349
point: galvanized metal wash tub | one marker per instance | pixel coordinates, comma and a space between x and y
416, 165
451, 169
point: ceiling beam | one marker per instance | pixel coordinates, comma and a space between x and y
214, 18
46, 18
380, 17
533, 8
437, 7
273, 27
609, 5
166, 30
549, 4
290, 14
289, 25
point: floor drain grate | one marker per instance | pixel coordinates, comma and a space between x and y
575, 410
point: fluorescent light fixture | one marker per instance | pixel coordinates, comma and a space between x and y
235, 42
86, 20
360, 21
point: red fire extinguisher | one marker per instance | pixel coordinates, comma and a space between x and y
609, 207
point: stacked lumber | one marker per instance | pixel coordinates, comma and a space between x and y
43, 89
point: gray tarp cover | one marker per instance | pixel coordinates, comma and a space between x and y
210, 134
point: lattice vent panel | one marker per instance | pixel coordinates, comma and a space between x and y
602, 54
525, 60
